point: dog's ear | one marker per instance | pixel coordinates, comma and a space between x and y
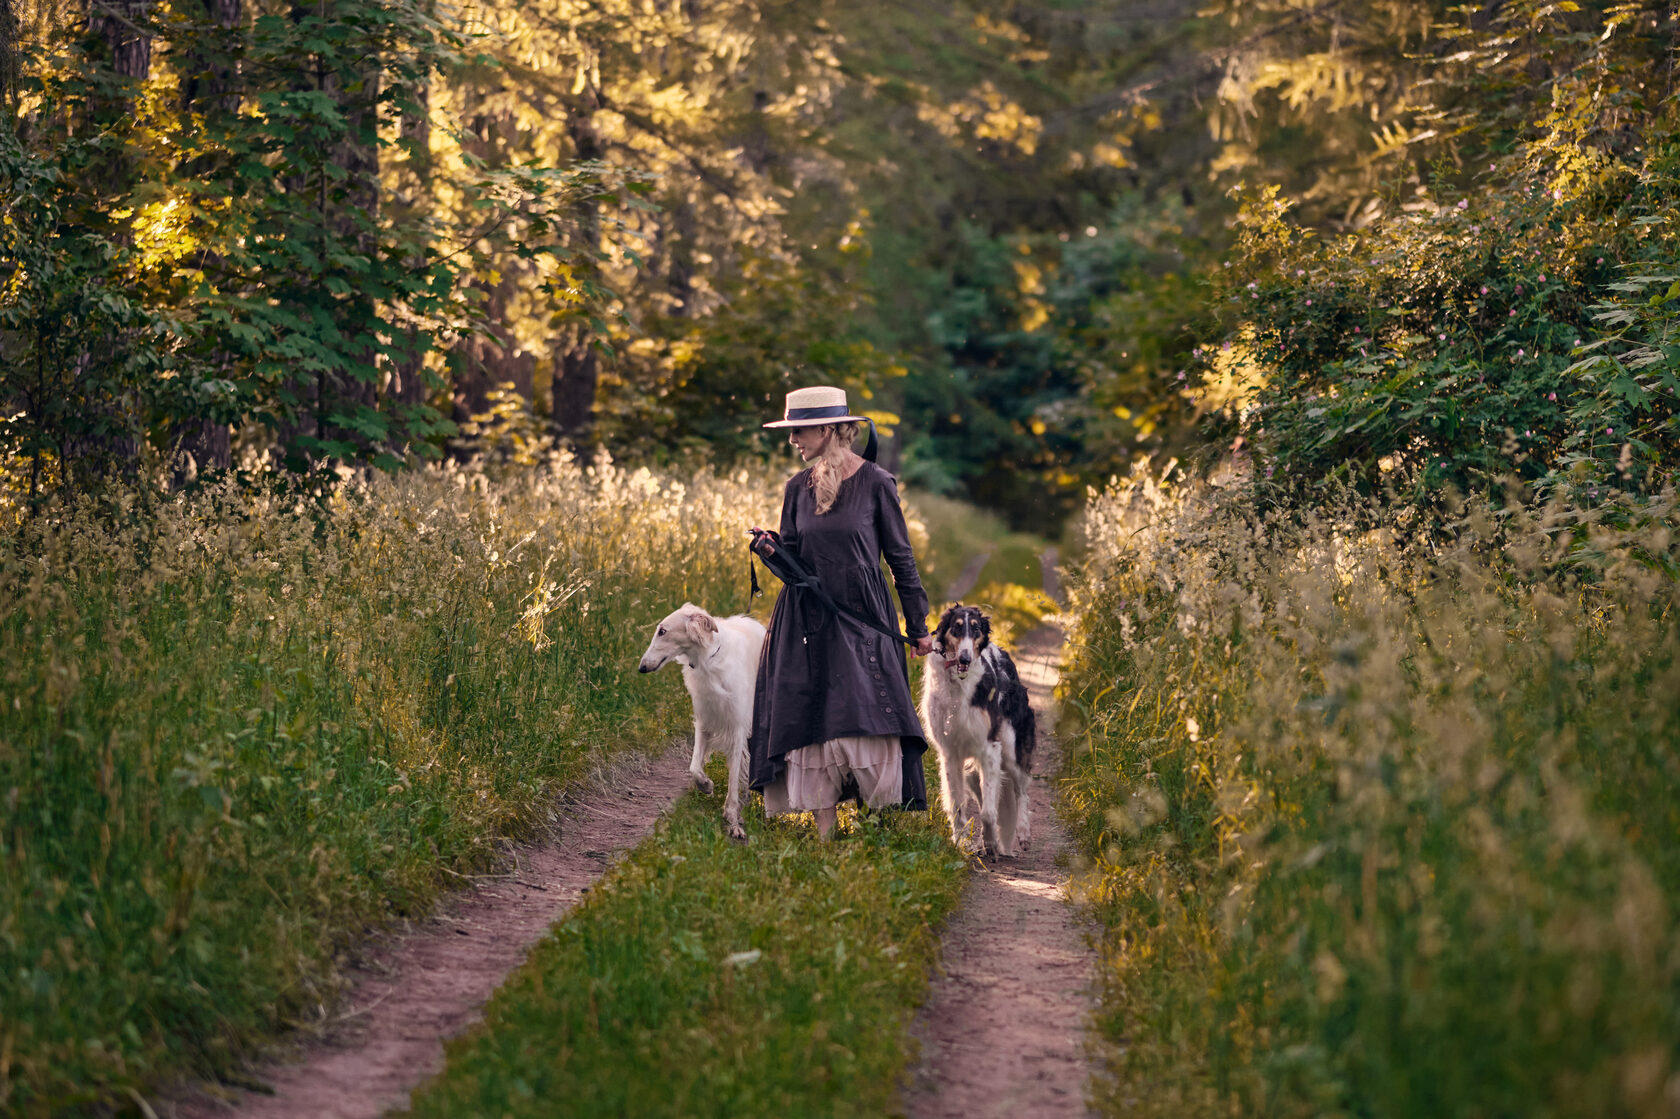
985, 630
944, 627
701, 625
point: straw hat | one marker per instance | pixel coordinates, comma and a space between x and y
820, 404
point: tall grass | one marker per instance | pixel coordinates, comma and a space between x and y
237, 729
1380, 821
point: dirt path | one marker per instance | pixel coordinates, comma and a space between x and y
967, 577
416, 989
1002, 1033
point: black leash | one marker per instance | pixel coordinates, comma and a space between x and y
783, 564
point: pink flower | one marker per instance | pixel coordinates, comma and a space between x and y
1600, 260
1309, 303
1551, 396
1356, 330
1484, 290
1512, 314
1609, 431
1542, 277
1443, 337
1463, 205
1521, 351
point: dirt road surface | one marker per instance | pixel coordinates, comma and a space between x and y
1003, 1031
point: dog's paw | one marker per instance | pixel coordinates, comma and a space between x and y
702, 782
737, 833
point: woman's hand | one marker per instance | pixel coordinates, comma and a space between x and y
924, 645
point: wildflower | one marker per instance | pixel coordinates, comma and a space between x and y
1520, 351
1443, 337
1463, 205
1600, 260
1551, 396
1356, 330
1519, 289
1542, 277
1512, 313
1609, 431
1227, 264
1300, 271
1484, 289
1475, 229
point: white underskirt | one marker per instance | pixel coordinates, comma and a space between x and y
813, 775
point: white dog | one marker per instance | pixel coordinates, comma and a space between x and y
977, 714
720, 670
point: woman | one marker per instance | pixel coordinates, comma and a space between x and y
832, 714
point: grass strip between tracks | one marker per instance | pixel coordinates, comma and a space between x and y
702, 977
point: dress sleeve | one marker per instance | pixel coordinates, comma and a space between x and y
895, 545
789, 530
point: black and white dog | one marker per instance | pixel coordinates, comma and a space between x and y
976, 712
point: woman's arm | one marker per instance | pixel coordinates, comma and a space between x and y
895, 545
789, 530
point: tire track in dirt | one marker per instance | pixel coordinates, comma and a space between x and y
1003, 1030
412, 991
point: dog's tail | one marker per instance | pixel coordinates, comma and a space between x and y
1026, 738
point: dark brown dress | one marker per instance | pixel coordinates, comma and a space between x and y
822, 676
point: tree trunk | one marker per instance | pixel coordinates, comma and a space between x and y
208, 88
120, 23
411, 201
576, 370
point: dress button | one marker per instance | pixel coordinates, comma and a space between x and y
889, 710
871, 660
883, 695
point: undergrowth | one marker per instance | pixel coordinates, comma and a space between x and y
1380, 818
706, 978
240, 728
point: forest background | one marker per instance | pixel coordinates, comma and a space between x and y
338, 232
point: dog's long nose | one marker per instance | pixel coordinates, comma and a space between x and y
964, 658
643, 667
